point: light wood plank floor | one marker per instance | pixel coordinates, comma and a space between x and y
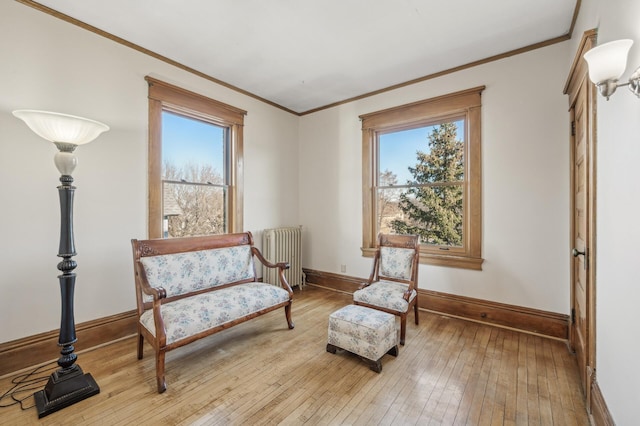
450, 372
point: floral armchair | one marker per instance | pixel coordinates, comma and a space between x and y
393, 283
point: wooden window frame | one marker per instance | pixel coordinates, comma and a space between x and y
467, 104
167, 97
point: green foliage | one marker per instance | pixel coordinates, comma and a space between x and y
434, 209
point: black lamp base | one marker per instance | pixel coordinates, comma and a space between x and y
65, 388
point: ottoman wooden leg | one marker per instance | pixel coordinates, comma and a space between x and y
331, 348
375, 365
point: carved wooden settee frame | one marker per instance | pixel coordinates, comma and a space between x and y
212, 271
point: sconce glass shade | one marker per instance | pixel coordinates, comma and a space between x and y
608, 61
61, 128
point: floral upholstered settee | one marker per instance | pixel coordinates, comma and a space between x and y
189, 288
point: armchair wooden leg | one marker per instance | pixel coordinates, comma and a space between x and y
403, 328
415, 312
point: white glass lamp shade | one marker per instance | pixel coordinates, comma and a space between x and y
608, 61
61, 128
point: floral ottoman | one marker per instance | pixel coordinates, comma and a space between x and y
365, 332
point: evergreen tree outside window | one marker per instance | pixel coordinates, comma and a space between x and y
430, 200
421, 175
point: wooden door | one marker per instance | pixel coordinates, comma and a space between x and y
582, 113
580, 251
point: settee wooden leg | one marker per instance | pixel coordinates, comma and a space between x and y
140, 344
287, 312
162, 385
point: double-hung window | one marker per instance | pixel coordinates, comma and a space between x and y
422, 175
195, 153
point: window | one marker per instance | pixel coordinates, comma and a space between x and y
422, 175
195, 157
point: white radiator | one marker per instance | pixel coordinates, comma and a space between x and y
283, 245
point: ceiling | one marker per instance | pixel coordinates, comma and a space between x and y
303, 55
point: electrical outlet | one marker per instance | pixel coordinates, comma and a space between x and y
343, 268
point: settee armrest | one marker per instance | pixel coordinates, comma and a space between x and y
157, 292
282, 266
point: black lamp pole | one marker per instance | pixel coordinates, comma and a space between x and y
69, 384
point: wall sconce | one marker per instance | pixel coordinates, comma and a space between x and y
69, 384
607, 62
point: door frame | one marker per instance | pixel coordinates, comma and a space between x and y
578, 75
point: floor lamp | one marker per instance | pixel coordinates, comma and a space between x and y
69, 384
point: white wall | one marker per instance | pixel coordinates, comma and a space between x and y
525, 157
618, 199
52, 65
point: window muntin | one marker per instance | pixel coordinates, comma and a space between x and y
392, 133
195, 163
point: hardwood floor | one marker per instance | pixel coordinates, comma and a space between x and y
450, 372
